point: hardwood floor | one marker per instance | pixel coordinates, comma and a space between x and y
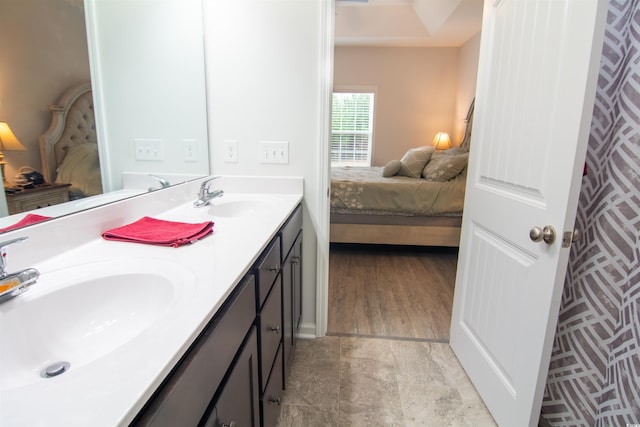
391, 291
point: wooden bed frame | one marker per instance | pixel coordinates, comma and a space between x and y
414, 231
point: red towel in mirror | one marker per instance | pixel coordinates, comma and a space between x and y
27, 220
154, 231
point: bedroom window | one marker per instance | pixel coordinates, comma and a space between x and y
351, 129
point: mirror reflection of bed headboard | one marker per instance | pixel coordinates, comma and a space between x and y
72, 123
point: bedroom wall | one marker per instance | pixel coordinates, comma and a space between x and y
420, 91
39, 61
416, 93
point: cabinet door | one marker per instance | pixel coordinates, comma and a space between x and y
239, 402
288, 329
296, 262
291, 303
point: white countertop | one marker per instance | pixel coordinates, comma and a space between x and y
110, 390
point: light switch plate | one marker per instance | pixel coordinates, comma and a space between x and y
148, 149
189, 147
230, 151
274, 152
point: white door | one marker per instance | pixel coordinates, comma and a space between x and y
536, 83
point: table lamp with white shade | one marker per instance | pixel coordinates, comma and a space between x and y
8, 142
442, 141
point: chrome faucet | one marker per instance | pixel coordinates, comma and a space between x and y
204, 195
13, 284
163, 182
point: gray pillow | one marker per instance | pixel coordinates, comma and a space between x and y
454, 151
414, 160
443, 167
391, 168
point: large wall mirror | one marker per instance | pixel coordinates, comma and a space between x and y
144, 63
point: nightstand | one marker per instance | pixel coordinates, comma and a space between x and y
38, 197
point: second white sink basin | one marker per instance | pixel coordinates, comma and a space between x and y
81, 314
240, 205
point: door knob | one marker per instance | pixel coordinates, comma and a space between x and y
535, 234
548, 234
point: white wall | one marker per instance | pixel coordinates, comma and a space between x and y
265, 82
148, 75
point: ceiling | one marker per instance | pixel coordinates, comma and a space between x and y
407, 22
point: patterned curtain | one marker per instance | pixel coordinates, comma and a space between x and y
594, 374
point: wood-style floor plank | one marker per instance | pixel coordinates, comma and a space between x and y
391, 291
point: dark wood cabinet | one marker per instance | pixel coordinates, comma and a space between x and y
238, 403
234, 373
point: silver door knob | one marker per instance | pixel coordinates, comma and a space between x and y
548, 234
535, 234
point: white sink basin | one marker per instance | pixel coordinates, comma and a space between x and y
83, 313
235, 206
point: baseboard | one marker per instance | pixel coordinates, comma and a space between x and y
307, 331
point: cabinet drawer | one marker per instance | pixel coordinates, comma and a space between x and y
290, 231
272, 397
270, 330
184, 396
268, 269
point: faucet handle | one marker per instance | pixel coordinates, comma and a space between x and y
204, 187
3, 253
163, 182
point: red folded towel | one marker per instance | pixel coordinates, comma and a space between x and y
27, 220
159, 232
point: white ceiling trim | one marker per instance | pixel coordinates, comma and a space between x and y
445, 23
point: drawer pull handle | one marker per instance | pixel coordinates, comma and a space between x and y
274, 401
275, 268
274, 328
295, 259
231, 424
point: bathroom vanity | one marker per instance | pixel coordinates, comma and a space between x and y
233, 374
203, 334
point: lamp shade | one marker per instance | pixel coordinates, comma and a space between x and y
442, 141
8, 140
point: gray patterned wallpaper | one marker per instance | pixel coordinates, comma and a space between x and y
594, 374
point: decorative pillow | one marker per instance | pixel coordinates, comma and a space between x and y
81, 168
454, 151
414, 160
443, 167
391, 168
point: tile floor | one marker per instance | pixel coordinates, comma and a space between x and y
359, 381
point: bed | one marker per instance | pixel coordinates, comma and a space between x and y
69, 148
396, 206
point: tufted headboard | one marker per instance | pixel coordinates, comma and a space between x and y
72, 133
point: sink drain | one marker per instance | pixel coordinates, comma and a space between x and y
55, 369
